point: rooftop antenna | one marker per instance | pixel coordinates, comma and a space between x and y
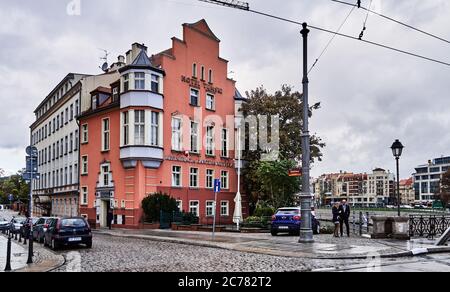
105, 65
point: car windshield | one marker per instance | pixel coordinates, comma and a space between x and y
288, 212
20, 220
73, 223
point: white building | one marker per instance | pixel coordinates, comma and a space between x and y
427, 179
56, 134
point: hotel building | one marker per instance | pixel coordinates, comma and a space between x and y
166, 124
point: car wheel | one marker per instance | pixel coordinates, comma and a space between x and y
54, 244
89, 245
274, 232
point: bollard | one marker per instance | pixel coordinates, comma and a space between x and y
20, 237
368, 221
360, 223
8, 255
15, 236
354, 223
25, 240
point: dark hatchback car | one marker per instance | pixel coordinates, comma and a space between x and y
288, 220
68, 231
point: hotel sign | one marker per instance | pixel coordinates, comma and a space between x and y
193, 82
200, 162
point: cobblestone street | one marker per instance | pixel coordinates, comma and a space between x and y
124, 254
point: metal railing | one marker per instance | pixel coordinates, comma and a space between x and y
428, 226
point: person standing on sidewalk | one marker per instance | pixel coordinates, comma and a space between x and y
110, 218
336, 218
345, 216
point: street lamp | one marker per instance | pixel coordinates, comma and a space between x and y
397, 149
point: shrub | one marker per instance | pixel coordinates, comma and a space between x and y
153, 204
264, 211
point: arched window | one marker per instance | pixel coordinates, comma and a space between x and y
194, 70
210, 76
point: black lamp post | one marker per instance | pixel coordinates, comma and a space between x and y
397, 149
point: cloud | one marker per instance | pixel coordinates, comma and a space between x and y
370, 96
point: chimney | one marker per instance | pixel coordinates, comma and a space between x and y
134, 52
121, 59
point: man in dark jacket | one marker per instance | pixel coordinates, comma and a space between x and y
345, 215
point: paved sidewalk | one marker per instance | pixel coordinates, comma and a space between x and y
44, 260
19, 254
324, 247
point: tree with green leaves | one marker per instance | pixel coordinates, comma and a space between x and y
16, 186
269, 180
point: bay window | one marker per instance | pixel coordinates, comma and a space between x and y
126, 128
155, 83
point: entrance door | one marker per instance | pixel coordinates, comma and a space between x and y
105, 207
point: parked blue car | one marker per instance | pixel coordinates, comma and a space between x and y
287, 220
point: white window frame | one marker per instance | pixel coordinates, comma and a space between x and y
195, 137
210, 102
225, 151
225, 179
197, 207
210, 178
180, 177
177, 134
227, 206
84, 195
84, 133
105, 175
209, 208
126, 82
154, 128
194, 176
126, 128
106, 134
192, 92
210, 151
155, 80
139, 80
84, 164
139, 127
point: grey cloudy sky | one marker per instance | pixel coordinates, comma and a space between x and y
369, 96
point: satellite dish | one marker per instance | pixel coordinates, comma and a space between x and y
105, 67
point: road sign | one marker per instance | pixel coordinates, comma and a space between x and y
27, 176
217, 186
295, 172
31, 164
32, 151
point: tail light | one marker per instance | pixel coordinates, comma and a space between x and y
46, 226
274, 218
297, 218
58, 225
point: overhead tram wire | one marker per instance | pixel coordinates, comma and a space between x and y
353, 38
330, 31
331, 40
394, 20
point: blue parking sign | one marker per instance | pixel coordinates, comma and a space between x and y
217, 185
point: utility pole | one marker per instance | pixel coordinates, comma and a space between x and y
306, 233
